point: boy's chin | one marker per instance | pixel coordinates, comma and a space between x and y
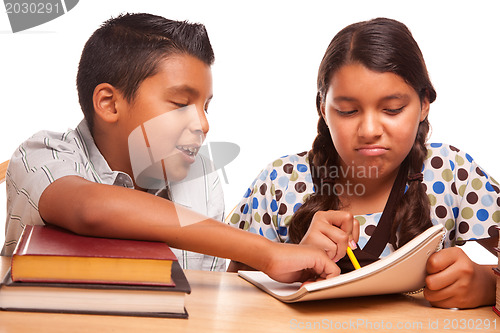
178, 175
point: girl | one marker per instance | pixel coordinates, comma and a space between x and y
370, 160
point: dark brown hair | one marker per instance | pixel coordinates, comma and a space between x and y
381, 45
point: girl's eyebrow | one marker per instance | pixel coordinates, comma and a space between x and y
396, 96
339, 99
344, 99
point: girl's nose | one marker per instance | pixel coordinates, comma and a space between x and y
370, 126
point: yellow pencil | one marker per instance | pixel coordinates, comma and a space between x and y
354, 261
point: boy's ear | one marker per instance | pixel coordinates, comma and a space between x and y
105, 98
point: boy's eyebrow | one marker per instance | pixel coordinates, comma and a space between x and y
185, 89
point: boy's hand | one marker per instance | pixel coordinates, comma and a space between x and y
292, 262
454, 281
332, 231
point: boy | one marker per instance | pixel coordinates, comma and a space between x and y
136, 70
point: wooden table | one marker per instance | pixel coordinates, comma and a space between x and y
223, 302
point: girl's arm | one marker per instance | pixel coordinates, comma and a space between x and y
454, 281
93, 209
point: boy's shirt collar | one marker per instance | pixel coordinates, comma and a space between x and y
98, 161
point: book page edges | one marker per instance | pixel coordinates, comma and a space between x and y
353, 283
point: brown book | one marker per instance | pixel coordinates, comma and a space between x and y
102, 299
51, 254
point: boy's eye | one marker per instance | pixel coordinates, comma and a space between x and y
179, 105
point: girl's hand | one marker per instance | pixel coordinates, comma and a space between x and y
332, 231
454, 281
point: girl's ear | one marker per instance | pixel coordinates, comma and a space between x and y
320, 105
424, 108
105, 102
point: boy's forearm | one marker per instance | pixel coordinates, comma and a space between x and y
110, 211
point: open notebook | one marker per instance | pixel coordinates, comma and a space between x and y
401, 271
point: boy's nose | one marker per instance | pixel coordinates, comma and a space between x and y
205, 127
200, 123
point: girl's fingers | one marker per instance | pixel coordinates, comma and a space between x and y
355, 230
337, 239
328, 238
322, 241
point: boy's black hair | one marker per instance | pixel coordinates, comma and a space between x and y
127, 49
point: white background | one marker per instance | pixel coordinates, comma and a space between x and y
267, 55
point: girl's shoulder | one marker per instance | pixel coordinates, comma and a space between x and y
442, 149
282, 170
286, 165
439, 154
292, 160
446, 163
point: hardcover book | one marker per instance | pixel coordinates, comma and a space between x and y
51, 254
103, 299
496, 307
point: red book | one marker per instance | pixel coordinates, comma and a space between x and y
496, 310
51, 254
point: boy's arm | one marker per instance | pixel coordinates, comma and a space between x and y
93, 209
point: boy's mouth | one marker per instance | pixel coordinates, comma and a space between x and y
189, 150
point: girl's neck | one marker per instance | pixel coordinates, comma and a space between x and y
366, 195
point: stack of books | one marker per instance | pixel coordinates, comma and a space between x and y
54, 270
496, 307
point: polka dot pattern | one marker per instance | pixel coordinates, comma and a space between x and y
462, 196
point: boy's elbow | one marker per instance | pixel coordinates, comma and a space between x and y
86, 219
69, 203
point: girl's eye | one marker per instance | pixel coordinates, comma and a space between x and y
394, 111
346, 113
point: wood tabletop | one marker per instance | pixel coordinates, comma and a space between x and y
223, 302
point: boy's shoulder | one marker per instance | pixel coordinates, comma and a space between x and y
58, 140
53, 155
